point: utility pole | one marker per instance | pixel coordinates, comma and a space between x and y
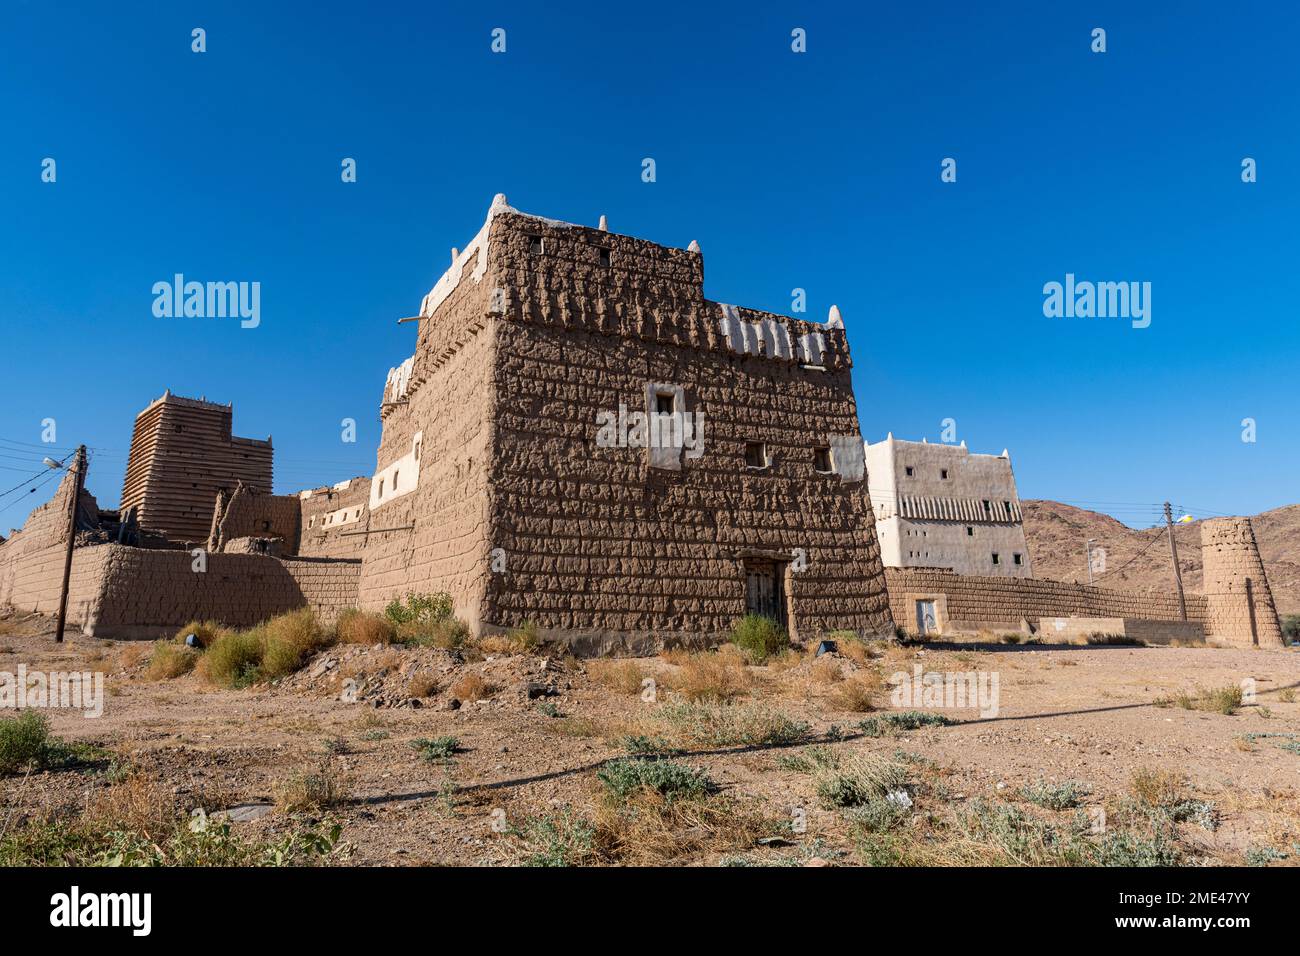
1089, 547
78, 469
1173, 552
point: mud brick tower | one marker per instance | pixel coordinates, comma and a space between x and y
1239, 603
514, 472
182, 454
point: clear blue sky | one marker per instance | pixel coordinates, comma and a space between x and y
818, 171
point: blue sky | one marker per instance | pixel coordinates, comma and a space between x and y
818, 170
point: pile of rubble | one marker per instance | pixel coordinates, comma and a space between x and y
399, 676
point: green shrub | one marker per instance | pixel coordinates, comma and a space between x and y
24, 741
288, 640
434, 749
626, 776
447, 633
759, 637
233, 660
899, 721
205, 631
1291, 628
1056, 796
170, 660
558, 839
731, 725
419, 608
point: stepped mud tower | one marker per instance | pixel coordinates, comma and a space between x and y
584, 441
1239, 602
182, 455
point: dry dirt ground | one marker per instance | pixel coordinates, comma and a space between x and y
526, 766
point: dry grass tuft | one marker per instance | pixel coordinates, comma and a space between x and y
712, 675
471, 687
424, 684
857, 694
169, 661
364, 627
207, 632
314, 789
1158, 788
623, 676
137, 804
130, 655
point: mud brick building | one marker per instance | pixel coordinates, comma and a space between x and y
182, 454
493, 482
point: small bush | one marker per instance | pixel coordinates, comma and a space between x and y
900, 721
233, 660
1158, 788
288, 640
1056, 796
471, 687
711, 675
626, 776
309, 790
560, 839
364, 627
849, 780
419, 609
206, 632
435, 749
170, 660
730, 725
422, 685
621, 676
447, 633
759, 637
24, 741
857, 694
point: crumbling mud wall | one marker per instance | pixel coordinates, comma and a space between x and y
1241, 609
332, 520
251, 514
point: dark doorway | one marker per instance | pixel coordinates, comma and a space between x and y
765, 590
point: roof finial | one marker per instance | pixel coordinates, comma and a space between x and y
604, 224
454, 253
835, 320
499, 200
693, 247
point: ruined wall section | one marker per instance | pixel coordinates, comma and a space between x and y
333, 518
182, 454
602, 547
972, 601
430, 534
1241, 609
251, 514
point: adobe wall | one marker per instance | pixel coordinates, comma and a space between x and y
251, 514
431, 533
974, 601
613, 554
153, 593
1241, 603
329, 517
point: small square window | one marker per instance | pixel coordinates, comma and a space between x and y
988, 506
266, 526
664, 403
381, 488
1016, 559
822, 460
908, 471
970, 532
535, 245
996, 558
1007, 504
395, 474
755, 454
943, 473
604, 258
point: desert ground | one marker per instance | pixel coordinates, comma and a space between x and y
1099, 754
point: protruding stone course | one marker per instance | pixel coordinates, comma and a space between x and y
1241, 608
